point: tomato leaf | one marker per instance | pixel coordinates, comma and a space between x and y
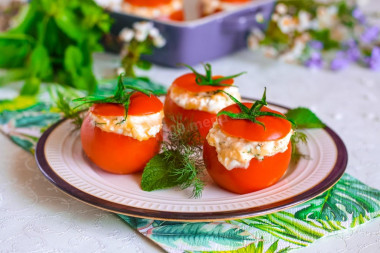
304, 118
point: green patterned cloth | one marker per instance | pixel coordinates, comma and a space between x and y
346, 205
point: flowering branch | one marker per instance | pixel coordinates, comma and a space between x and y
329, 34
141, 40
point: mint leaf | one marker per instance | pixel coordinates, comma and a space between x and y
304, 118
156, 174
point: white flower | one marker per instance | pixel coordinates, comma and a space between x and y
114, 5
304, 21
119, 71
275, 17
142, 30
259, 18
327, 17
295, 52
126, 35
281, 9
253, 42
154, 32
258, 33
286, 24
270, 52
159, 41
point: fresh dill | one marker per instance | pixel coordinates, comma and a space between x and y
179, 164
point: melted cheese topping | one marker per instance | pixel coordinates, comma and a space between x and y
234, 152
138, 127
155, 12
211, 101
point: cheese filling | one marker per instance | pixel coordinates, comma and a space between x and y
234, 152
153, 12
212, 6
210, 101
138, 127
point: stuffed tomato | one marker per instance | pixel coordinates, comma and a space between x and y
160, 9
248, 149
195, 99
215, 6
120, 142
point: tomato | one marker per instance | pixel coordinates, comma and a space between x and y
275, 128
117, 153
188, 82
140, 105
201, 119
177, 16
148, 3
260, 173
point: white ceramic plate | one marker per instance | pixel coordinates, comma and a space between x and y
61, 159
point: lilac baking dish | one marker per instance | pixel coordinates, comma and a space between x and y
208, 38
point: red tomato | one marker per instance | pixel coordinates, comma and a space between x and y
118, 153
148, 3
201, 119
259, 174
177, 16
275, 128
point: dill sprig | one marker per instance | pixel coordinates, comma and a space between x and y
63, 105
121, 96
253, 112
297, 137
207, 79
179, 164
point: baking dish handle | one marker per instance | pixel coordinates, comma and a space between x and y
242, 22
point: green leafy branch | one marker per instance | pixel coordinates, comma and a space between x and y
54, 44
207, 79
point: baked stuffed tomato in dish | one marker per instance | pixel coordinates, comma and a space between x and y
248, 148
120, 134
196, 99
214, 6
156, 9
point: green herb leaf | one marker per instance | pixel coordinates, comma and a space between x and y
156, 175
180, 163
304, 118
207, 79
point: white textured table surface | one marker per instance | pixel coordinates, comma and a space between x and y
36, 217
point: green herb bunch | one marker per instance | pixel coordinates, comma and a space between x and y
252, 113
207, 79
179, 164
121, 96
54, 42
